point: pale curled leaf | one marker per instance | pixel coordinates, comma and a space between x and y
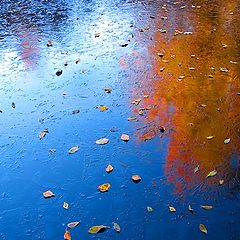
196, 169
43, 133
102, 141
202, 228
116, 227
212, 173
73, 224
171, 209
65, 205
210, 137
73, 149
48, 194
104, 187
206, 207
136, 178
227, 140
149, 209
190, 209
125, 137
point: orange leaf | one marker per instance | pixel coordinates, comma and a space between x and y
104, 187
67, 235
109, 168
125, 137
136, 178
48, 194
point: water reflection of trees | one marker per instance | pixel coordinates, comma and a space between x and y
204, 101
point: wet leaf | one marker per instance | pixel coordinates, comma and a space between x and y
116, 227
59, 72
162, 69
187, 33
49, 43
65, 205
149, 209
109, 168
210, 137
136, 101
221, 181
162, 129
102, 108
65, 63
125, 137
227, 140
163, 30
224, 69
97, 229
206, 207
192, 68
190, 209
73, 149
132, 119
136, 178
13, 105
171, 209
77, 61
67, 235
102, 141
107, 90
124, 44
75, 111
202, 228
52, 150
73, 224
48, 194
177, 32
212, 173
140, 112
96, 35
104, 187
196, 169
43, 133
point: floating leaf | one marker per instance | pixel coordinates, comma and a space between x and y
43, 133
206, 207
116, 227
109, 168
196, 169
171, 209
136, 101
97, 229
73, 224
65, 63
104, 187
124, 44
107, 90
162, 129
77, 61
52, 150
48, 194
132, 119
221, 181
212, 173
96, 35
67, 235
162, 69
65, 205
224, 69
49, 43
227, 140
73, 149
13, 105
59, 72
210, 137
202, 228
75, 111
140, 112
149, 209
102, 108
190, 209
136, 178
102, 141
125, 137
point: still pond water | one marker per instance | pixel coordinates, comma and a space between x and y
173, 68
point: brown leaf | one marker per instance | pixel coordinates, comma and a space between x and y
73, 224
73, 149
116, 227
202, 228
97, 229
48, 194
125, 137
136, 178
67, 235
109, 168
49, 43
104, 187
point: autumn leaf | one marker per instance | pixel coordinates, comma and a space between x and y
65, 205
43, 133
73, 149
196, 169
132, 119
227, 140
206, 207
104, 187
171, 209
97, 229
136, 178
140, 112
212, 173
77, 61
49, 43
162, 129
102, 108
48, 194
107, 90
109, 168
96, 35
210, 137
136, 101
125, 137
59, 72
116, 227
13, 105
162, 69
73, 224
75, 111
190, 209
67, 235
149, 209
224, 69
202, 228
221, 181
102, 141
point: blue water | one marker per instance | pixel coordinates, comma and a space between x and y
44, 100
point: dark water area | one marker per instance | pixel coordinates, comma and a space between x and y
173, 67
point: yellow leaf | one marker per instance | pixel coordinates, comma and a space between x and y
210, 137
102, 108
65, 205
149, 209
109, 168
97, 229
212, 173
73, 149
116, 227
171, 209
48, 194
67, 235
132, 119
125, 137
104, 187
202, 228
206, 207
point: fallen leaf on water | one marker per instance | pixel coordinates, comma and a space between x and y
49, 43
124, 44
102, 108
125, 137
73, 149
65, 63
96, 35
227, 140
102, 141
77, 61
210, 137
202, 228
206, 207
163, 30
224, 69
65, 205
43, 133
162, 69
48, 194
221, 182
171, 209
196, 169
67, 235
73, 224
13, 105
212, 173
162, 129
52, 150
75, 111
59, 72
107, 90
187, 33
177, 32
116, 227
132, 119
136, 178
136, 101
149, 209
97, 229
109, 168
140, 112
190, 209
104, 187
